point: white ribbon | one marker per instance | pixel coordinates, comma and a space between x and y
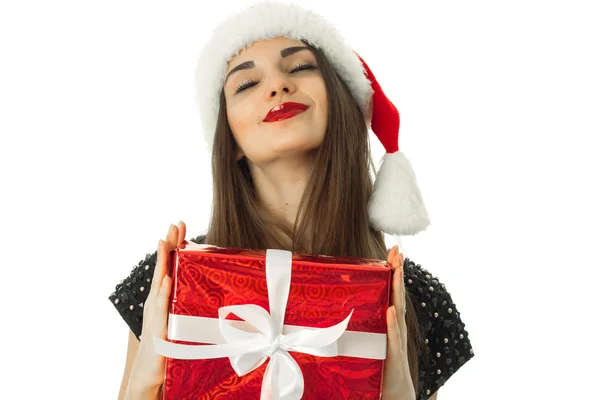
249, 349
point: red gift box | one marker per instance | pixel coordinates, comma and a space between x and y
349, 294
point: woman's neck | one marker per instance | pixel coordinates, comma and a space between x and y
280, 185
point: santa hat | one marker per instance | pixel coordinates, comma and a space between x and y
396, 205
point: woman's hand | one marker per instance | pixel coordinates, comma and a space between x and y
148, 369
397, 382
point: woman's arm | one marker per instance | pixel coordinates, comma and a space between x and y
132, 348
131, 390
397, 381
147, 370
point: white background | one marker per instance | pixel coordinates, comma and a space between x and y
102, 149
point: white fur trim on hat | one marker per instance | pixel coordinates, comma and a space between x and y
396, 204
266, 20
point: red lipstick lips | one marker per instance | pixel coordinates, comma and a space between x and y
285, 111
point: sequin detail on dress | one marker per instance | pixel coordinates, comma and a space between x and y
447, 344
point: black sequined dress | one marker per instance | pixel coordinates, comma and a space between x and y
446, 342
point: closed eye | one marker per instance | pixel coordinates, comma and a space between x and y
246, 85
302, 67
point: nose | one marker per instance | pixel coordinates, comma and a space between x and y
278, 86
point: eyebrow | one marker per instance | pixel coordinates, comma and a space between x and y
250, 64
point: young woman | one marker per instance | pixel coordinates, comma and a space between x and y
286, 106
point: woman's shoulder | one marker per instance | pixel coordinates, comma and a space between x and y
443, 328
131, 293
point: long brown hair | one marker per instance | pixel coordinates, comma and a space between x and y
332, 215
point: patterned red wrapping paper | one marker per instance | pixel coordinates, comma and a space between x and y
323, 291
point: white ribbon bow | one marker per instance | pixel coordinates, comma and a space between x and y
249, 349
